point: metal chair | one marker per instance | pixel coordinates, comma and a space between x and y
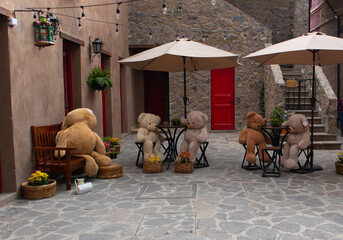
251, 166
204, 163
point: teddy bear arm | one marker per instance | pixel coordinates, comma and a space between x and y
99, 144
202, 137
61, 141
305, 141
242, 136
91, 167
141, 135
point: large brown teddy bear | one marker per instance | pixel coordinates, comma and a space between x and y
253, 135
78, 131
298, 138
148, 134
195, 134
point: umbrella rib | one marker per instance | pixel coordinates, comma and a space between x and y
195, 68
268, 59
142, 68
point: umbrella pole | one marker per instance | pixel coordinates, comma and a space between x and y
184, 87
313, 103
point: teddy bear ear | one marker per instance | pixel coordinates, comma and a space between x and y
159, 119
204, 116
250, 114
141, 117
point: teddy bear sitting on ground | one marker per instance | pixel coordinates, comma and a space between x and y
252, 136
148, 134
297, 139
196, 132
77, 131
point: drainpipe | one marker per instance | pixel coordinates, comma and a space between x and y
309, 15
338, 65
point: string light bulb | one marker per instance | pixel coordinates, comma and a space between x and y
47, 13
224, 35
34, 15
83, 16
117, 30
118, 11
150, 33
164, 7
79, 25
213, 2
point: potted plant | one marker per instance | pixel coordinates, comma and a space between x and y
277, 117
99, 79
152, 165
112, 146
39, 186
183, 164
339, 163
175, 122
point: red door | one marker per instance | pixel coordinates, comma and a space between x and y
156, 94
67, 76
223, 99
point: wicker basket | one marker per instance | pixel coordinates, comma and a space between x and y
183, 167
339, 168
115, 170
39, 192
152, 167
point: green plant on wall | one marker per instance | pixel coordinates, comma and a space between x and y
99, 79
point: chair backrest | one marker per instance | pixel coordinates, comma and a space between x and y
44, 136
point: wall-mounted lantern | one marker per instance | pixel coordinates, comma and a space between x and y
43, 32
95, 47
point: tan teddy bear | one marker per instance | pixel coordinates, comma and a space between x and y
196, 132
253, 135
298, 138
78, 131
148, 134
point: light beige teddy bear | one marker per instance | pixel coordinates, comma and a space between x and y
148, 134
196, 132
298, 138
77, 131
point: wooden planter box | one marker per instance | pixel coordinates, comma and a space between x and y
152, 167
39, 192
183, 167
339, 168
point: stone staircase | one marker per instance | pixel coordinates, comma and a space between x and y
321, 139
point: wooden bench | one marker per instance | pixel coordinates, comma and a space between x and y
44, 145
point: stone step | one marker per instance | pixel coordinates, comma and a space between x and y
296, 94
327, 145
295, 100
296, 89
304, 106
324, 137
307, 113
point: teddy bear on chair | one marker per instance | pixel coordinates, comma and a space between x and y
77, 131
252, 136
196, 132
297, 139
149, 135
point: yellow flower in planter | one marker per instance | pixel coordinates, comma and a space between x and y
38, 178
340, 157
154, 158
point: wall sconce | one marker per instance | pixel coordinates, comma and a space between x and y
95, 47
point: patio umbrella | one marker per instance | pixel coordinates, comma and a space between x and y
309, 49
181, 55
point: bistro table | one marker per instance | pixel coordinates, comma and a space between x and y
172, 136
272, 168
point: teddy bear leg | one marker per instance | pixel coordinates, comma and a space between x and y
250, 157
91, 167
193, 149
147, 149
266, 156
101, 160
285, 156
292, 161
157, 150
184, 146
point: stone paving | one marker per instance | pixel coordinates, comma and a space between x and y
222, 201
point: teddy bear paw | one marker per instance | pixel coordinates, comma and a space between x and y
291, 163
251, 158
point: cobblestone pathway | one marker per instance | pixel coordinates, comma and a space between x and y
222, 201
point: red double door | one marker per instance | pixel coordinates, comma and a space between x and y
223, 99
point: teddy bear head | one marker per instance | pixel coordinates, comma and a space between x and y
80, 115
196, 120
297, 123
255, 121
149, 121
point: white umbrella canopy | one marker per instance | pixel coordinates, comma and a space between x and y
181, 55
326, 49
169, 57
314, 48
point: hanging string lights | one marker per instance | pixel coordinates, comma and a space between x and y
118, 11
83, 16
213, 2
164, 7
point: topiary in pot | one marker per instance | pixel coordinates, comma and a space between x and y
99, 79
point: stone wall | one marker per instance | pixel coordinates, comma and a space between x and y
274, 93
248, 24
